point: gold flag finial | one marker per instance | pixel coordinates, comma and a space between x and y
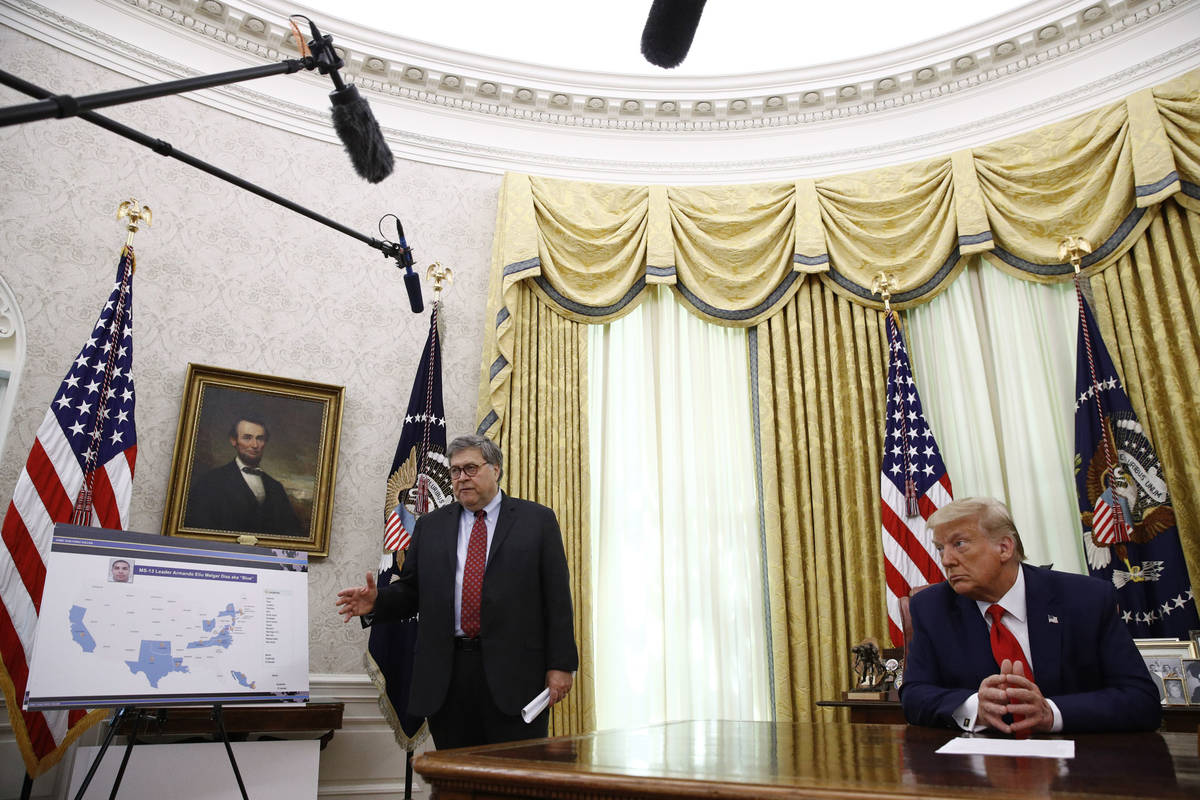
882, 286
136, 213
1073, 249
441, 278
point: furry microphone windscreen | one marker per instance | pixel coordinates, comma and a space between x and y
359, 132
669, 31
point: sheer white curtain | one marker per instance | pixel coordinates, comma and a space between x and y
677, 573
994, 358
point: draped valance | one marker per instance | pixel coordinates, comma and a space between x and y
734, 255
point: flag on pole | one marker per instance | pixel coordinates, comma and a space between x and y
419, 482
913, 485
1129, 531
79, 470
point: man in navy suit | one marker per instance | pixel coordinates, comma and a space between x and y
1088, 675
480, 661
240, 496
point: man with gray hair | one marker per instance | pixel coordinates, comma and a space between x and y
489, 576
1017, 648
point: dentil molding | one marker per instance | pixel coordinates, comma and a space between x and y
1043, 62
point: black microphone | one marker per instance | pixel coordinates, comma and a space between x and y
670, 28
412, 281
352, 117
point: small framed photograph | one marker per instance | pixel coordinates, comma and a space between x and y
1164, 666
1173, 689
1191, 680
1164, 647
1195, 637
255, 460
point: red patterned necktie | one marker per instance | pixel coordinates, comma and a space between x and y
472, 586
1005, 645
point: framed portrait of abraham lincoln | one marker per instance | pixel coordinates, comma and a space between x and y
255, 460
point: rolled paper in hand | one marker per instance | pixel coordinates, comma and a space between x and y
536, 706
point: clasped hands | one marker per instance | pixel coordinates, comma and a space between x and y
1011, 692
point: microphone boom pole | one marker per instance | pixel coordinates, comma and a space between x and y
61, 106
397, 251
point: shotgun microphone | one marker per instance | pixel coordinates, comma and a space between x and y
670, 28
412, 281
352, 117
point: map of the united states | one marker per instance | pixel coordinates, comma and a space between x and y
156, 658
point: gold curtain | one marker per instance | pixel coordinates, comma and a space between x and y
569, 253
822, 374
545, 448
1148, 310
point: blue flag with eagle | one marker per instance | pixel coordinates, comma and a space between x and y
419, 481
1129, 532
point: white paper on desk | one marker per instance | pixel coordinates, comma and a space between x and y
536, 706
1035, 748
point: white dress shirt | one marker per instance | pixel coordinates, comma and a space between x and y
1016, 619
255, 482
466, 521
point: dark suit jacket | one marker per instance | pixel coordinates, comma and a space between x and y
221, 500
1085, 662
526, 622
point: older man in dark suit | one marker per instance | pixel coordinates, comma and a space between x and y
489, 576
1016, 648
240, 496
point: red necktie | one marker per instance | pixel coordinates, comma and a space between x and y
473, 575
1005, 645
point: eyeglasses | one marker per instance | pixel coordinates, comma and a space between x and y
470, 470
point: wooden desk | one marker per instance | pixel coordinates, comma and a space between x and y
763, 760
241, 720
1184, 719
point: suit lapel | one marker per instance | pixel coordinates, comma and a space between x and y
977, 645
504, 525
1045, 636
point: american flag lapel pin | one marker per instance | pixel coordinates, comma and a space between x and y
1052, 618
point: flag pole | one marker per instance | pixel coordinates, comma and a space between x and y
436, 274
136, 213
1074, 248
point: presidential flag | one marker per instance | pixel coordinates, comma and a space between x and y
79, 470
1129, 532
913, 485
419, 482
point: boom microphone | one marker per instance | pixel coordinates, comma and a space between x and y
670, 28
412, 281
352, 117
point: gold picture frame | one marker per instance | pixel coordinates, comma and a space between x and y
285, 498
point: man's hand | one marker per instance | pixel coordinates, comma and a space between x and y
1011, 692
559, 683
357, 600
1025, 698
993, 701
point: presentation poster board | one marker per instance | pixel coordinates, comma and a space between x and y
137, 619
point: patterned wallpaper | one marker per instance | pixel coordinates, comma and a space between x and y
228, 279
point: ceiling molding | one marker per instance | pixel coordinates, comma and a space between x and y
1100, 52
665, 105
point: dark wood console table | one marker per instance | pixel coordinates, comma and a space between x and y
743, 760
1184, 719
241, 720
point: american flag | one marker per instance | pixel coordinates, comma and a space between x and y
79, 470
913, 484
418, 483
